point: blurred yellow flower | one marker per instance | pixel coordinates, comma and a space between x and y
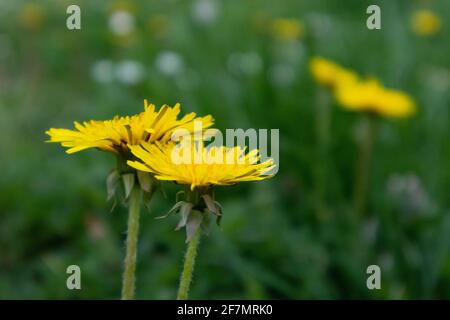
330, 74
260, 21
371, 96
32, 16
158, 25
117, 134
123, 5
287, 29
425, 22
195, 165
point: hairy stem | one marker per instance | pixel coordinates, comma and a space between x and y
188, 268
131, 246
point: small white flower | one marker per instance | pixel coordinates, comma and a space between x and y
249, 63
169, 63
188, 80
370, 230
409, 194
321, 24
292, 52
205, 11
129, 72
435, 78
121, 22
102, 71
281, 75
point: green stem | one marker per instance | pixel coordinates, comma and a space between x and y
132, 238
363, 163
188, 268
323, 118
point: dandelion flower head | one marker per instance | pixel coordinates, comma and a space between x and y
196, 165
370, 95
117, 134
330, 74
425, 23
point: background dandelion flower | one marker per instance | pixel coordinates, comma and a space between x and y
330, 74
425, 23
370, 95
287, 29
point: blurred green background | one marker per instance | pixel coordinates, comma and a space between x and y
224, 58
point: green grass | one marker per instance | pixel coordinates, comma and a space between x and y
273, 244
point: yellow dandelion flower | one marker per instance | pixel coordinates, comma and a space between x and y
287, 29
330, 74
195, 165
425, 23
117, 134
370, 95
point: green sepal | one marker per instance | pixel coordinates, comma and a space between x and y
220, 211
219, 221
147, 197
114, 204
206, 222
194, 222
128, 183
185, 210
211, 205
111, 184
180, 195
161, 188
174, 209
219, 207
145, 180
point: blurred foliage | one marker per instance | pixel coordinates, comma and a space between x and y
224, 58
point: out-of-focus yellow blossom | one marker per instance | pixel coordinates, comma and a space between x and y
371, 96
32, 16
331, 74
261, 21
203, 167
158, 25
122, 5
118, 134
425, 22
287, 29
